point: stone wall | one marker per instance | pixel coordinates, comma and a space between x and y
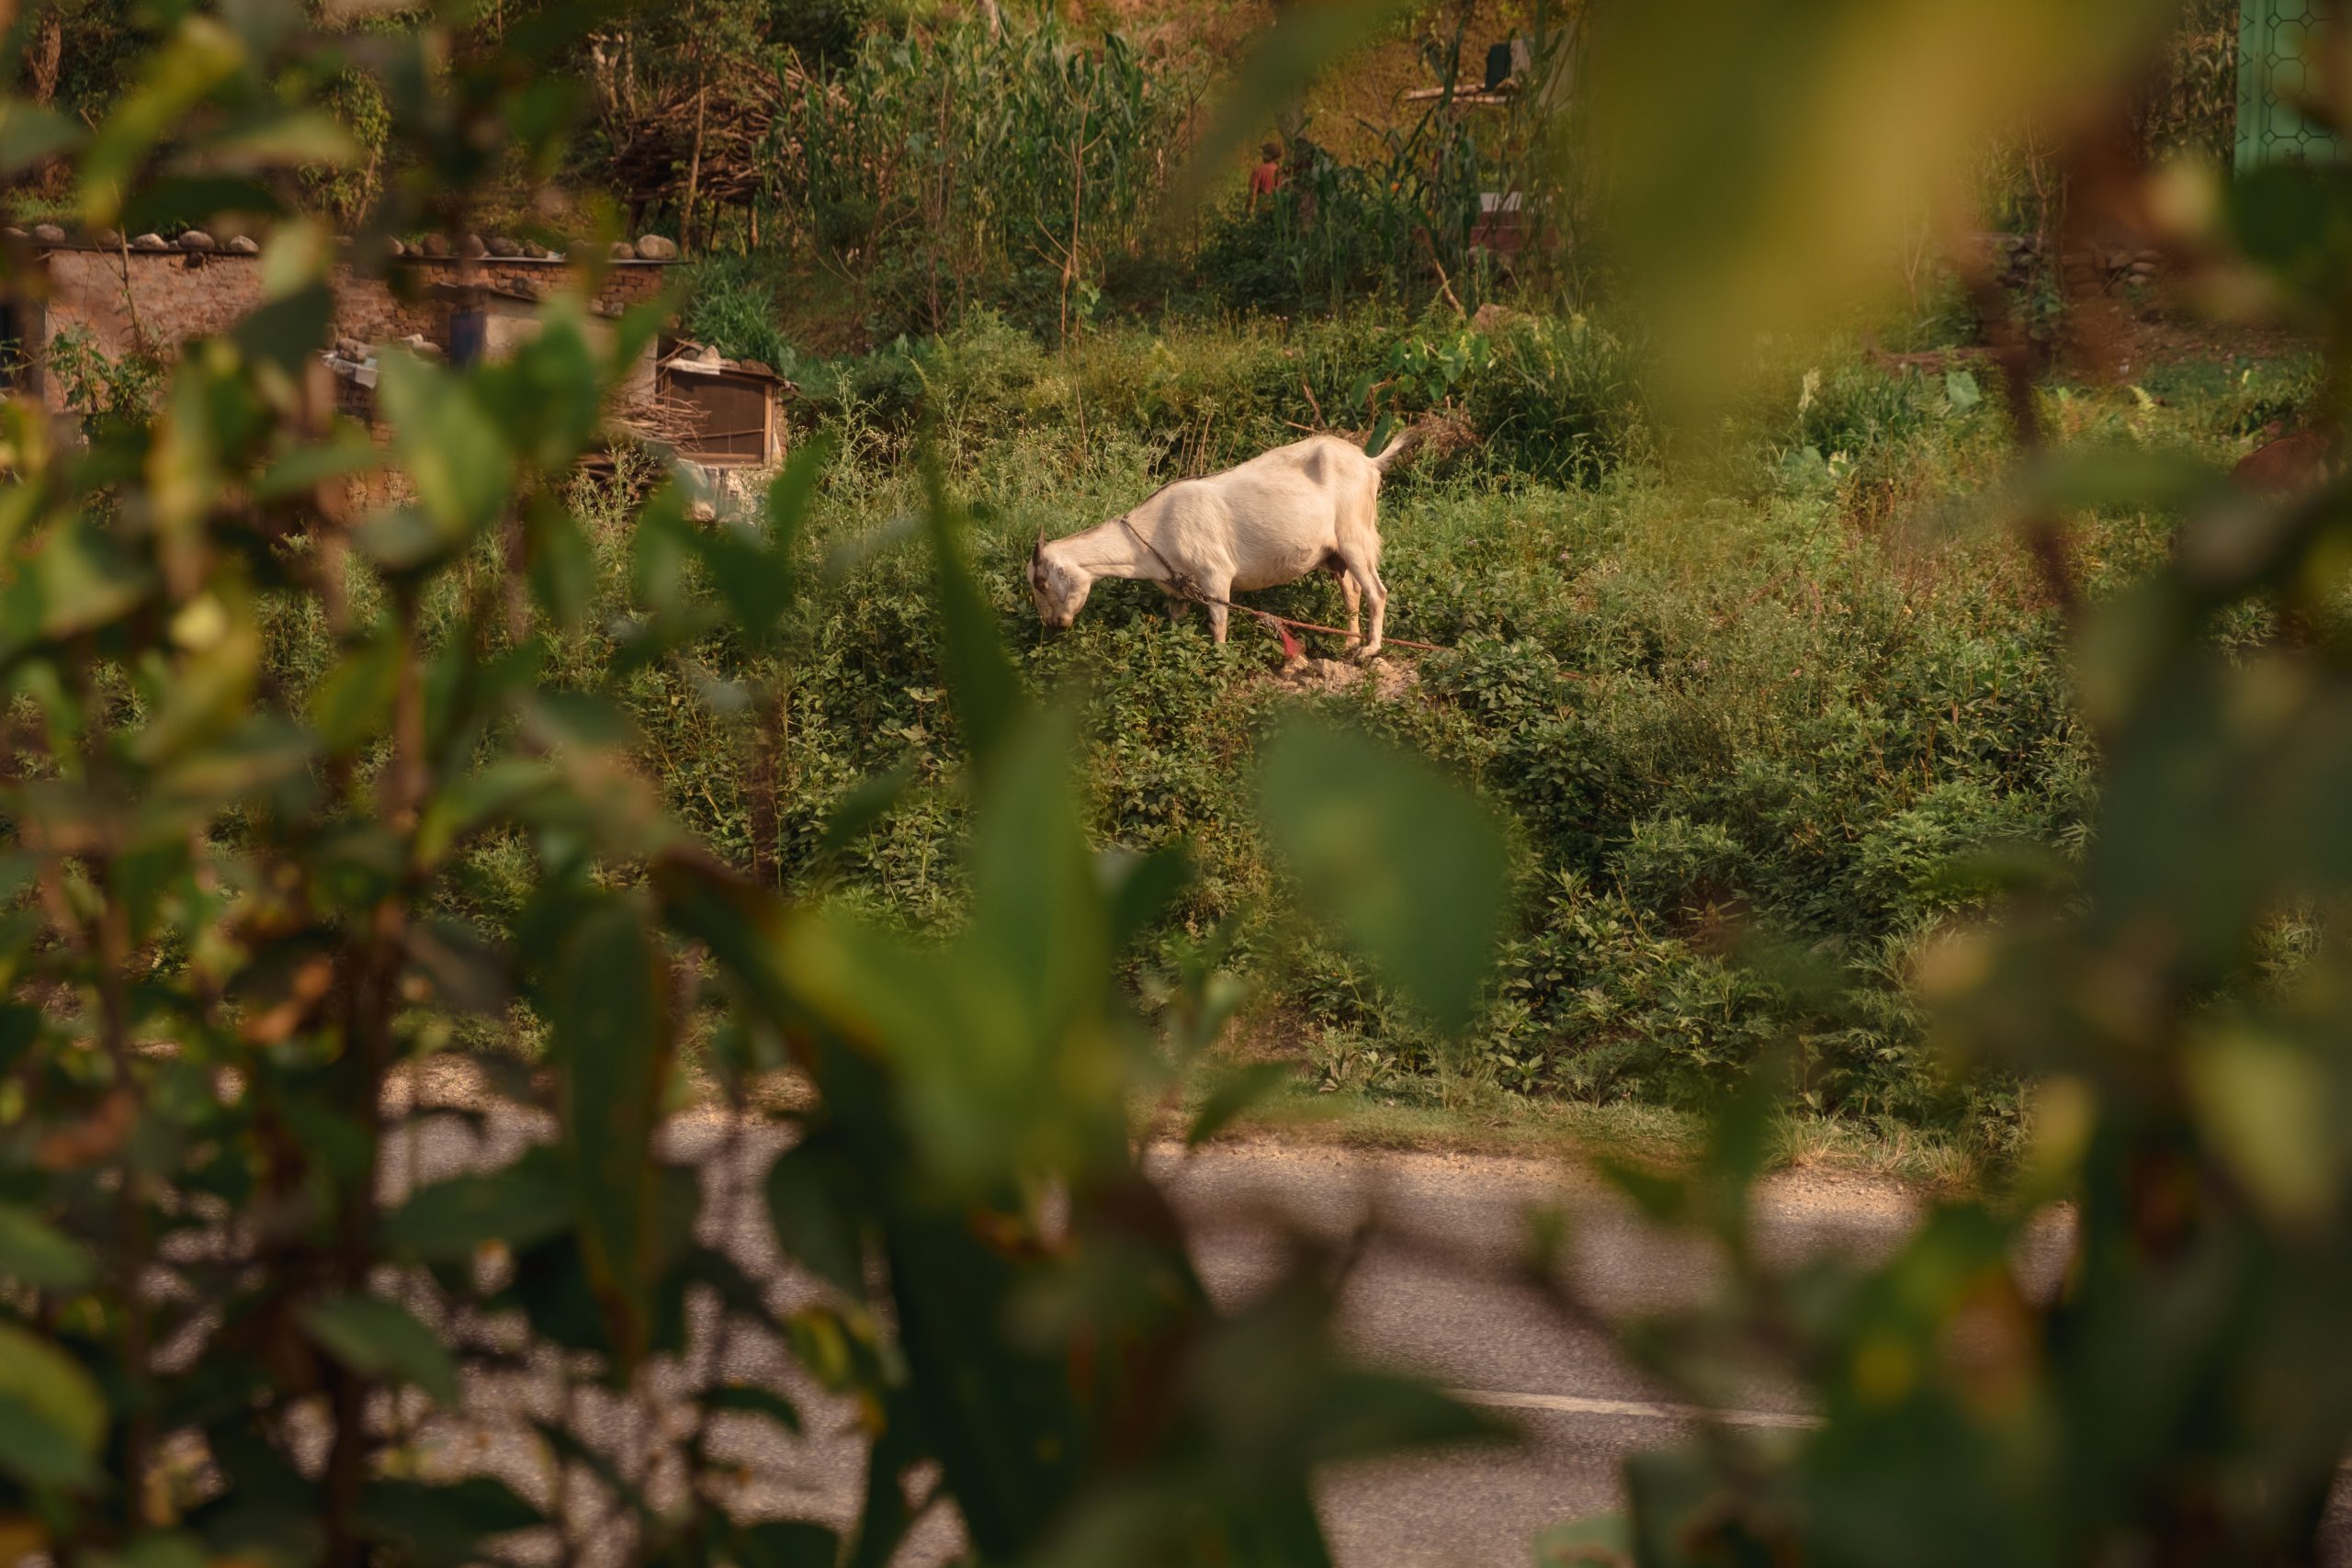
2116, 264
175, 295
172, 296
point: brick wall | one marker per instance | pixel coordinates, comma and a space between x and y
176, 296
380, 309
172, 297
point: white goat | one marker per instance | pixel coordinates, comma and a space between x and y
1312, 504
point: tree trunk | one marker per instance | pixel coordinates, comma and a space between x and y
693, 174
46, 56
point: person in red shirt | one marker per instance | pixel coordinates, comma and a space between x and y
1267, 177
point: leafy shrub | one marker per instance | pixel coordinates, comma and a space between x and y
109, 395
731, 304
379, 878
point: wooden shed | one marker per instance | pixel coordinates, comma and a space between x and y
733, 406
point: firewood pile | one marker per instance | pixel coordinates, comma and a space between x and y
736, 116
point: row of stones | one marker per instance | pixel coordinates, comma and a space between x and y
107, 239
647, 247
471, 247
2016, 254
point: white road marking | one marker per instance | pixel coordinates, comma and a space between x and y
1578, 1405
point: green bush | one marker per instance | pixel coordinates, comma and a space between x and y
1719, 727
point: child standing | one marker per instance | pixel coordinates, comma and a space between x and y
1267, 177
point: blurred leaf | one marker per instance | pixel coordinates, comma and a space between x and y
1407, 865
490, 794
30, 133
863, 808
169, 202
164, 1549
2295, 220
582, 720
1301, 42
659, 550
467, 974
287, 331
569, 1449
380, 1338
785, 1544
755, 578
794, 489
282, 136
54, 1414
563, 568
307, 467
32, 1453
546, 396
749, 1399
1765, 162
521, 1205
1602, 1543
2269, 1110
980, 679
1233, 1094
1962, 391
352, 703
85, 579
813, 1205
1141, 887
445, 1522
884, 1515
609, 1012
33, 1253
211, 692
200, 55
448, 445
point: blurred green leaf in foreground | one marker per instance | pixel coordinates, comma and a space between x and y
2164, 1389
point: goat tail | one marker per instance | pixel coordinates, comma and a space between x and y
1401, 447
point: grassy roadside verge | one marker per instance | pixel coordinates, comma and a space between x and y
1484, 1124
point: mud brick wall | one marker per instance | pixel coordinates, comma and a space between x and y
380, 309
175, 296
172, 296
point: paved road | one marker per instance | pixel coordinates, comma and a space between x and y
1429, 1296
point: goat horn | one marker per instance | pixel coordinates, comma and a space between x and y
1040, 551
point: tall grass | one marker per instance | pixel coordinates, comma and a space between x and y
1026, 169
943, 163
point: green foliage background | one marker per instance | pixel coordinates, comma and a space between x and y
1813, 709
1773, 797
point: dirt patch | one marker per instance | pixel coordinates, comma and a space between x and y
2124, 344
1391, 679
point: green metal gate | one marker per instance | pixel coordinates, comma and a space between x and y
2279, 42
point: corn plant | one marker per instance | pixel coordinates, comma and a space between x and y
958, 154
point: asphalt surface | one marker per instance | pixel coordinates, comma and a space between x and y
1430, 1291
